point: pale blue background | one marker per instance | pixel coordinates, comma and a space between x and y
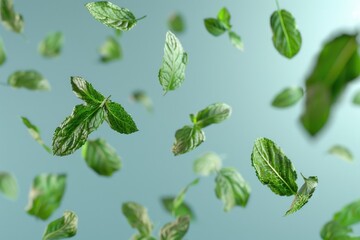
216, 72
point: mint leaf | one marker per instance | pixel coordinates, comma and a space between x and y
51, 45
141, 97
29, 79
304, 194
176, 23
342, 152
333, 230
138, 218
236, 41
110, 50
187, 139
112, 15
273, 168
35, 133
288, 97
175, 230
46, 194
231, 188
224, 17
10, 19
183, 209
348, 215
64, 227
180, 197
101, 157
8, 185
118, 119
214, 113
2, 53
214, 26
207, 164
85, 91
172, 71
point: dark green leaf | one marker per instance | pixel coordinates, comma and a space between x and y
10, 19
141, 97
187, 139
288, 97
214, 113
224, 17
273, 168
176, 23
182, 210
2, 53
215, 26
236, 40
175, 230
207, 164
35, 133
118, 119
85, 91
64, 227
138, 218
8, 185
29, 79
110, 50
342, 152
51, 45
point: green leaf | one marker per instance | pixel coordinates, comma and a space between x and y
2, 53
333, 230
75, 129
207, 164
8, 185
214, 113
187, 139
35, 133
348, 215
356, 98
231, 188
64, 227
138, 218
342, 152
224, 17
288, 97
101, 157
304, 194
85, 91
215, 26
29, 79
10, 19
51, 45
273, 168
172, 71
182, 210
236, 40
286, 37
45, 195
118, 119
338, 64
178, 201
141, 97
176, 23
110, 50
175, 230
112, 15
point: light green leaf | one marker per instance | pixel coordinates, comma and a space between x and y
214, 113
187, 139
64, 227
118, 119
8, 185
101, 157
110, 50
342, 152
224, 17
207, 164
304, 194
178, 201
51, 45
141, 97
2, 53
138, 218
112, 15
10, 19
288, 97
215, 26
29, 79
356, 98
182, 210
46, 194
172, 71
231, 188
337, 65
85, 91
35, 133
236, 40
273, 168
176, 23
175, 230
286, 37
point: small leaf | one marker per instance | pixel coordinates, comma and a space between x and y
138, 218
176, 23
110, 50
46, 194
304, 194
231, 188
112, 15
215, 26
207, 164
101, 157
214, 113
8, 185
288, 97
51, 45
178, 201
2, 53
172, 71
35, 133
224, 17
182, 210
10, 19
85, 91
175, 230
118, 119
273, 168
29, 79
187, 139
64, 227
356, 98
236, 40
342, 152
141, 97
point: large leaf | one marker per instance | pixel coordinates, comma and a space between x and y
273, 168
288, 97
214, 113
8, 185
348, 215
29, 79
342, 152
10, 19
85, 91
101, 157
176, 23
51, 45
175, 230
64, 227
338, 64
187, 139
2, 53
118, 119
110, 50
35, 133
207, 164
286, 37
183, 209
172, 71
214, 26
231, 188
46, 194
138, 218
142, 98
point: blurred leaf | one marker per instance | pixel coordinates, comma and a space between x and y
8, 185
10, 19
187, 139
64, 227
35, 133
288, 97
224, 17
214, 113
215, 26
236, 40
176, 23
141, 97
138, 218
110, 50
175, 230
178, 201
348, 215
2, 53
51, 45
182, 210
207, 164
342, 152
29, 79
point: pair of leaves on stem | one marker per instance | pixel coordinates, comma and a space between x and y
220, 25
11, 19
138, 218
190, 137
64, 227
86, 118
51, 45
274, 169
28, 79
176, 23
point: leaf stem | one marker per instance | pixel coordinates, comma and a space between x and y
105, 101
277, 4
141, 18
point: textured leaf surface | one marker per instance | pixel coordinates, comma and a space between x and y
142, 98
29, 79
85, 91
172, 71
118, 119
51, 45
110, 50
10, 19
273, 168
8, 185
288, 97
64, 227
236, 41
187, 139
46, 194
138, 218
176, 23
214, 26
183, 209
101, 157
214, 113
207, 164
35, 133
2, 53
224, 17
175, 230
231, 188
342, 152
